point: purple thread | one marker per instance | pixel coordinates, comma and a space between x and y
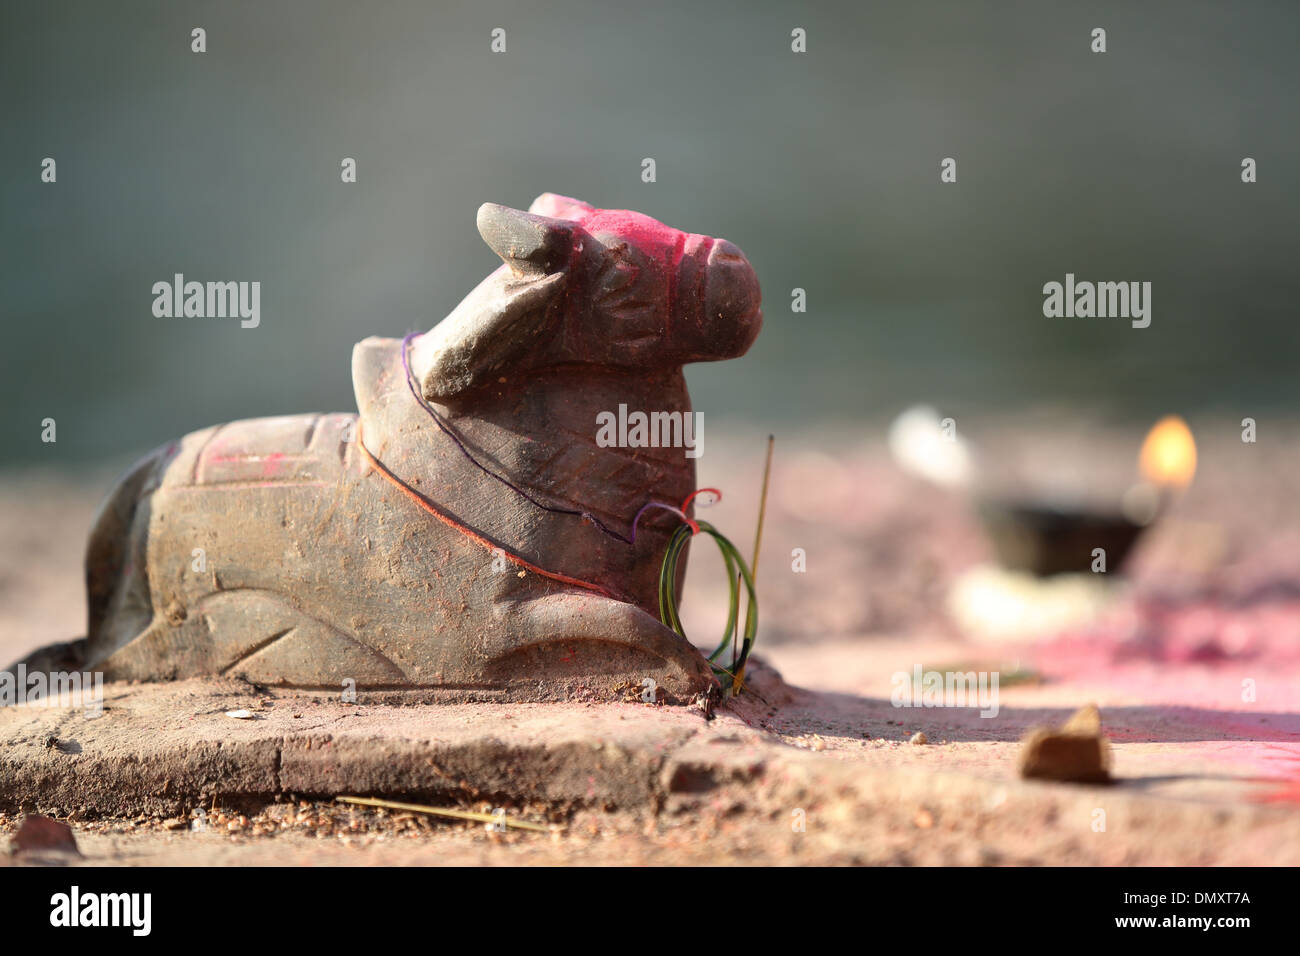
446, 430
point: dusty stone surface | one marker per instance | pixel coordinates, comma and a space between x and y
619, 782
1203, 775
164, 748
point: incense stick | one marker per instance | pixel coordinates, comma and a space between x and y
739, 676
762, 506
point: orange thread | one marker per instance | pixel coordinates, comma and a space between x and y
468, 532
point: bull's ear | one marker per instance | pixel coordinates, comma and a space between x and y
505, 317
561, 207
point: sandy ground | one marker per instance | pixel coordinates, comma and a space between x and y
1194, 659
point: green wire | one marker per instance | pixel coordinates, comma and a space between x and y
736, 568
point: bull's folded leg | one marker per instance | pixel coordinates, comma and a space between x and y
574, 640
257, 635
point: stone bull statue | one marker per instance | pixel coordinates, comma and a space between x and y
463, 535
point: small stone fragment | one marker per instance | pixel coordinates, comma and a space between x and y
918, 738
39, 834
1085, 720
1078, 752
240, 714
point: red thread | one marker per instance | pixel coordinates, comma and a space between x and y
468, 532
695, 528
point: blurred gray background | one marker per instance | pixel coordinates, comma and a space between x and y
823, 167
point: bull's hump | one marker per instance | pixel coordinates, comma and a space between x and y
290, 449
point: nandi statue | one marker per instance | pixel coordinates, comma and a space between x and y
465, 534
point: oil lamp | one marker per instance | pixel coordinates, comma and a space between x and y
1051, 537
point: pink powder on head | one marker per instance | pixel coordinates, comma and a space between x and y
649, 235
654, 239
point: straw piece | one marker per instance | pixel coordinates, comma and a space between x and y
444, 812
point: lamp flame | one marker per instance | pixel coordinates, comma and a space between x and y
1168, 456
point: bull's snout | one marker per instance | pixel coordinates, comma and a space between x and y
732, 314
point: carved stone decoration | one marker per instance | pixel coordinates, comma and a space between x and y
464, 535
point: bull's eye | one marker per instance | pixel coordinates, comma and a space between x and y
618, 286
622, 275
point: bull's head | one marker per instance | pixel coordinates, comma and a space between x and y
581, 285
